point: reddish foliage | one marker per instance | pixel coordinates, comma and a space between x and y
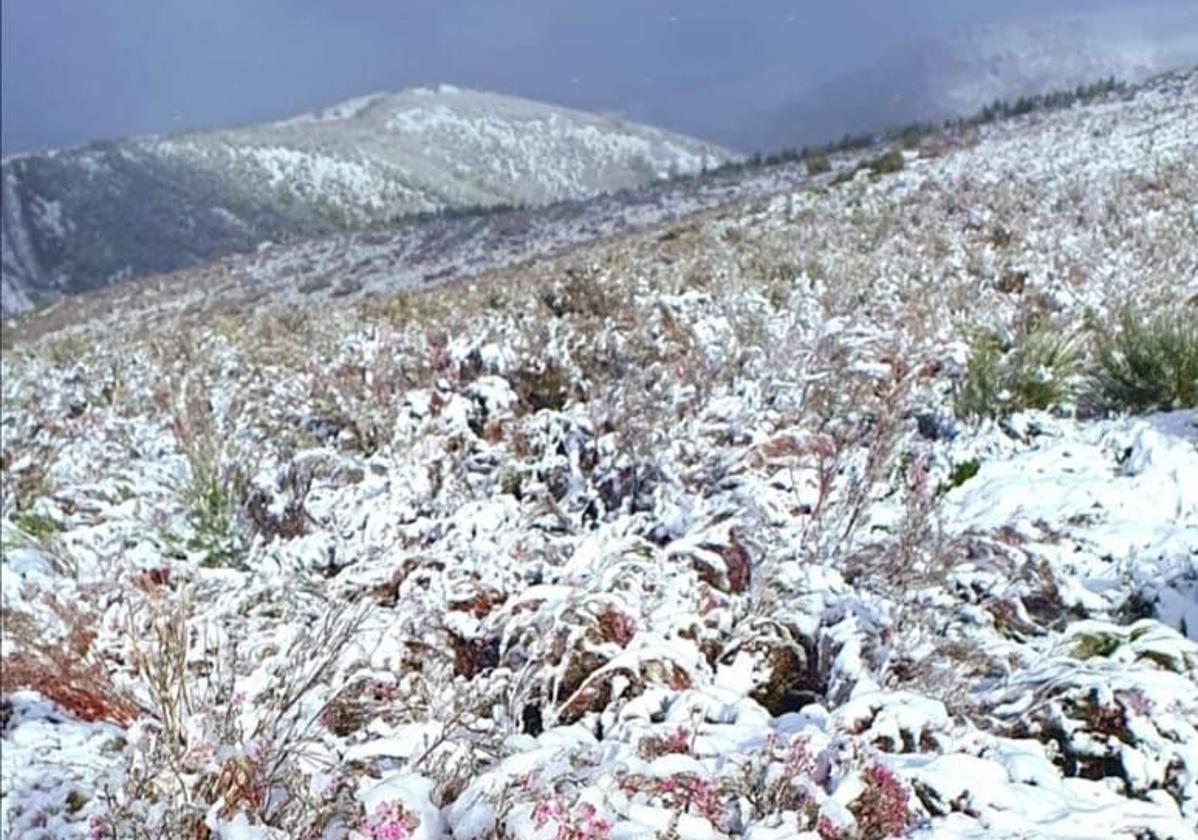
84, 691
64, 669
239, 786
615, 626
473, 656
738, 564
482, 604
882, 811
151, 579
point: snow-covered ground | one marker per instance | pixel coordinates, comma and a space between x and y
672, 535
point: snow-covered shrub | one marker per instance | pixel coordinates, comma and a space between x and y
887, 163
215, 487
1150, 362
211, 752
818, 164
1116, 703
1039, 371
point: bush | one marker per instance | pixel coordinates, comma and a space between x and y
982, 384
1150, 363
1043, 370
61, 664
818, 164
1039, 372
887, 163
216, 485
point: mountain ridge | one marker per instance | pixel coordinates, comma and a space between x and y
81, 218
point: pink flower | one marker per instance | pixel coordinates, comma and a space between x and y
679, 741
391, 821
828, 830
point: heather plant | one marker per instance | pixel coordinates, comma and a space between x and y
1150, 362
582, 822
883, 809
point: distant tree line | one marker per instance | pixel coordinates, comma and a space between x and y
909, 135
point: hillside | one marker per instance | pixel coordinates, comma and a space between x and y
831, 511
80, 219
960, 71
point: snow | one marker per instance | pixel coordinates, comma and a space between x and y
652, 535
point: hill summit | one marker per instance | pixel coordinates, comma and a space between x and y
82, 218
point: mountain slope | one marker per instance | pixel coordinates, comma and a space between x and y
687, 527
958, 72
79, 219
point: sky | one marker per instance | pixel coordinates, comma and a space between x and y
75, 71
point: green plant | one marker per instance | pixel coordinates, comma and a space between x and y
1150, 363
1043, 369
213, 499
890, 162
960, 474
38, 526
215, 488
1038, 372
982, 384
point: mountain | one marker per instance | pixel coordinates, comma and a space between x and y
83, 218
959, 71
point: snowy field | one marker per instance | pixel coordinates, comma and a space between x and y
682, 533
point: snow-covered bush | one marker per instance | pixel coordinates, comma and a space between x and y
1040, 370
1150, 362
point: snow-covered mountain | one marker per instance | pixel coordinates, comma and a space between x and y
959, 71
83, 218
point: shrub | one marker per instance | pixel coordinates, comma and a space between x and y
205, 756
1150, 363
818, 164
982, 384
216, 485
883, 810
887, 163
1039, 372
1043, 370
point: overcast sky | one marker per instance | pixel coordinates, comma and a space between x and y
81, 70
